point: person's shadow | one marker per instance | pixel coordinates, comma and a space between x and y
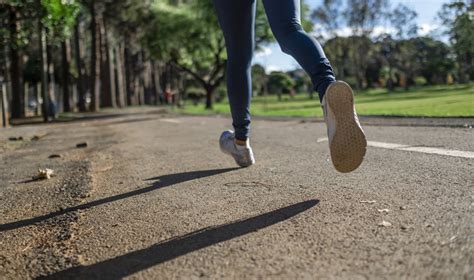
130, 263
157, 183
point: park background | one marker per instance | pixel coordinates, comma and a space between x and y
403, 58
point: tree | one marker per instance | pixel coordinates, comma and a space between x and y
328, 17
96, 17
188, 35
259, 79
303, 83
29, 21
338, 50
279, 83
18, 106
430, 58
80, 69
361, 17
458, 19
403, 20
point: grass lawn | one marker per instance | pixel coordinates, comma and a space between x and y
434, 101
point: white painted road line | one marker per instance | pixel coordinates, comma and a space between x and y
408, 148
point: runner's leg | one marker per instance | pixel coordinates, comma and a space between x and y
284, 19
237, 20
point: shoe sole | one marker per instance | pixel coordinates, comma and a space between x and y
349, 144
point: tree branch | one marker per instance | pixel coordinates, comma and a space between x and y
189, 71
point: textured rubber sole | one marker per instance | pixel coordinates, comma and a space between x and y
349, 144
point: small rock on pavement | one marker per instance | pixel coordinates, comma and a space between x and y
385, 224
20, 138
368, 201
81, 145
55, 156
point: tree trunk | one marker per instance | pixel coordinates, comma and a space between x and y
147, 79
38, 98
209, 94
137, 90
18, 104
4, 79
4, 102
128, 76
113, 86
95, 58
141, 79
462, 70
80, 69
119, 75
107, 84
66, 53
156, 81
52, 106
26, 96
389, 80
43, 69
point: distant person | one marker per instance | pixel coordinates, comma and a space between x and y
168, 95
53, 108
347, 141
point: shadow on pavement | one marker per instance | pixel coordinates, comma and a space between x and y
82, 117
160, 182
125, 265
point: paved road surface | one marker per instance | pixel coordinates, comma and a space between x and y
153, 197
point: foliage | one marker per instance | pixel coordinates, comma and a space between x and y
458, 19
402, 19
280, 82
259, 79
59, 17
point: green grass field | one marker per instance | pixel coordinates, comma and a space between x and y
435, 101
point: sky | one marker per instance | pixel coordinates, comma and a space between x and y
272, 58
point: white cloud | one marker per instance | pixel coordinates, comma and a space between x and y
424, 29
379, 30
264, 51
427, 28
271, 68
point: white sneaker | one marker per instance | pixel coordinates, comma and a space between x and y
242, 155
347, 141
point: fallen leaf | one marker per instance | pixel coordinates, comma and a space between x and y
385, 224
55, 156
44, 174
38, 137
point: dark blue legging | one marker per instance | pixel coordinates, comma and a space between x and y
237, 20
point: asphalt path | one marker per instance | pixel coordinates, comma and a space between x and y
153, 197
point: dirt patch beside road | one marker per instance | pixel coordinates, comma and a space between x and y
38, 225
